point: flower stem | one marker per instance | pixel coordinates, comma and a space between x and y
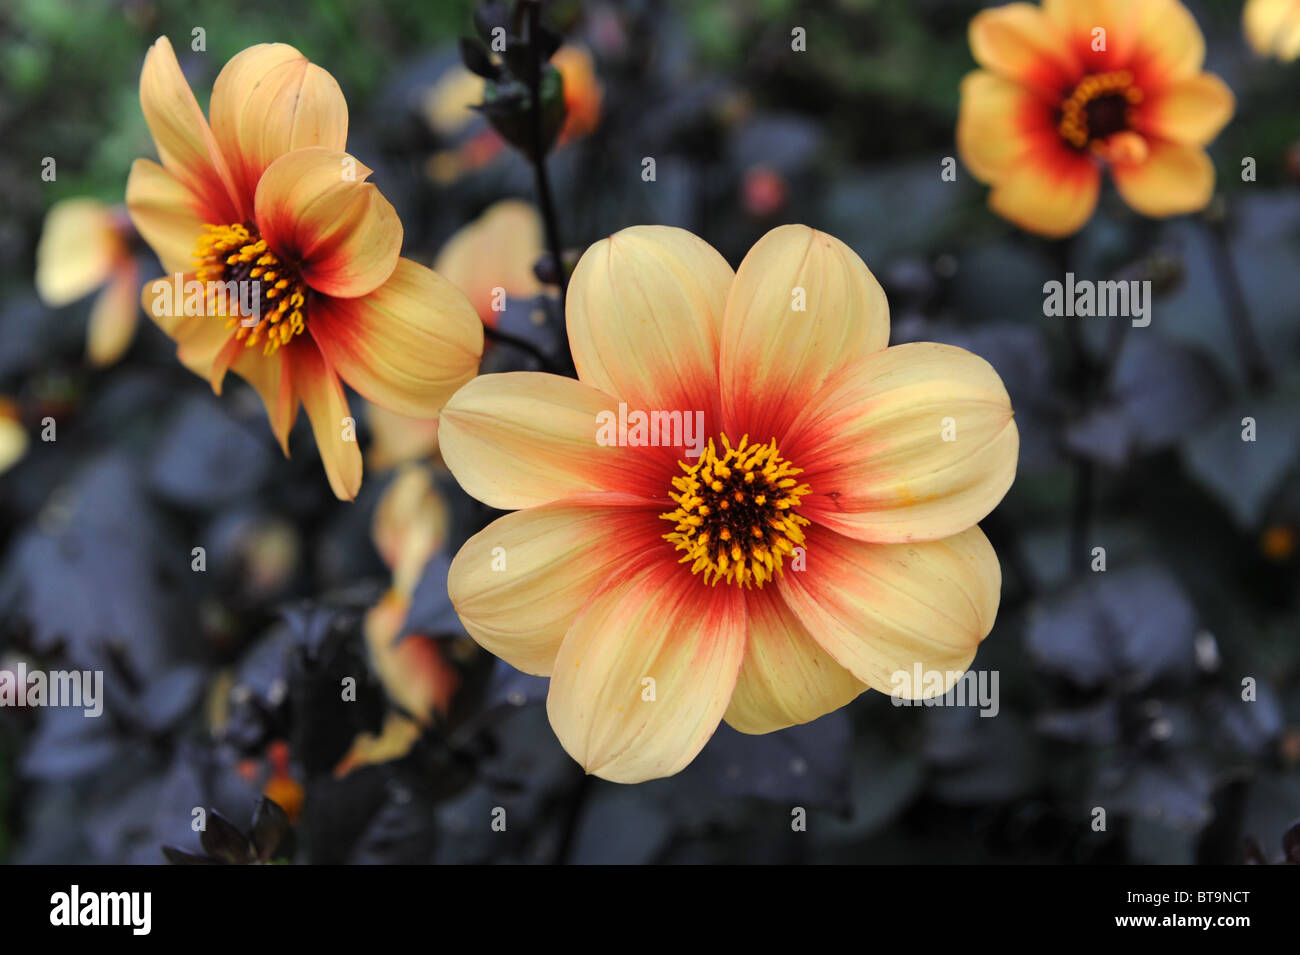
1082, 380
524, 345
1233, 296
537, 157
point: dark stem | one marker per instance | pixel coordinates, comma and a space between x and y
1233, 295
524, 345
573, 816
1082, 380
545, 198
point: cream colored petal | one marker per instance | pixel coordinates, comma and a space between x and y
496, 251
646, 672
913, 443
114, 317
519, 583
1273, 27
884, 610
409, 525
644, 314
77, 252
397, 439
802, 307
525, 438
786, 677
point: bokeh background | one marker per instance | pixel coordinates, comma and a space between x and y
1120, 689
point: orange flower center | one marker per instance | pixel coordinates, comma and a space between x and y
1100, 106
736, 514
267, 300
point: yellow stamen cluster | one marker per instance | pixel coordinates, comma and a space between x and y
235, 253
1074, 125
735, 518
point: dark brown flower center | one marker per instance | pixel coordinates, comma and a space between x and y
1100, 106
246, 282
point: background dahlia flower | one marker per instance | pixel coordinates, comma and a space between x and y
266, 193
1075, 86
86, 245
1273, 27
821, 541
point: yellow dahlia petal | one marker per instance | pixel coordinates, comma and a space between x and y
78, 250
1191, 112
331, 422
882, 610
406, 346
1169, 43
802, 307
495, 251
916, 442
995, 124
397, 439
314, 207
524, 438
645, 313
786, 677
1174, 179
114, 317
185, 143
1051, 195
646, 672
519, 583
163, 213
1019, 42
270, 99
271, 376
409, 525
1273, 27
13, 436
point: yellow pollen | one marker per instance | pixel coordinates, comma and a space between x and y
736, 514
236, 253
1077, 127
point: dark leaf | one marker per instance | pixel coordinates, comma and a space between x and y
222, 840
